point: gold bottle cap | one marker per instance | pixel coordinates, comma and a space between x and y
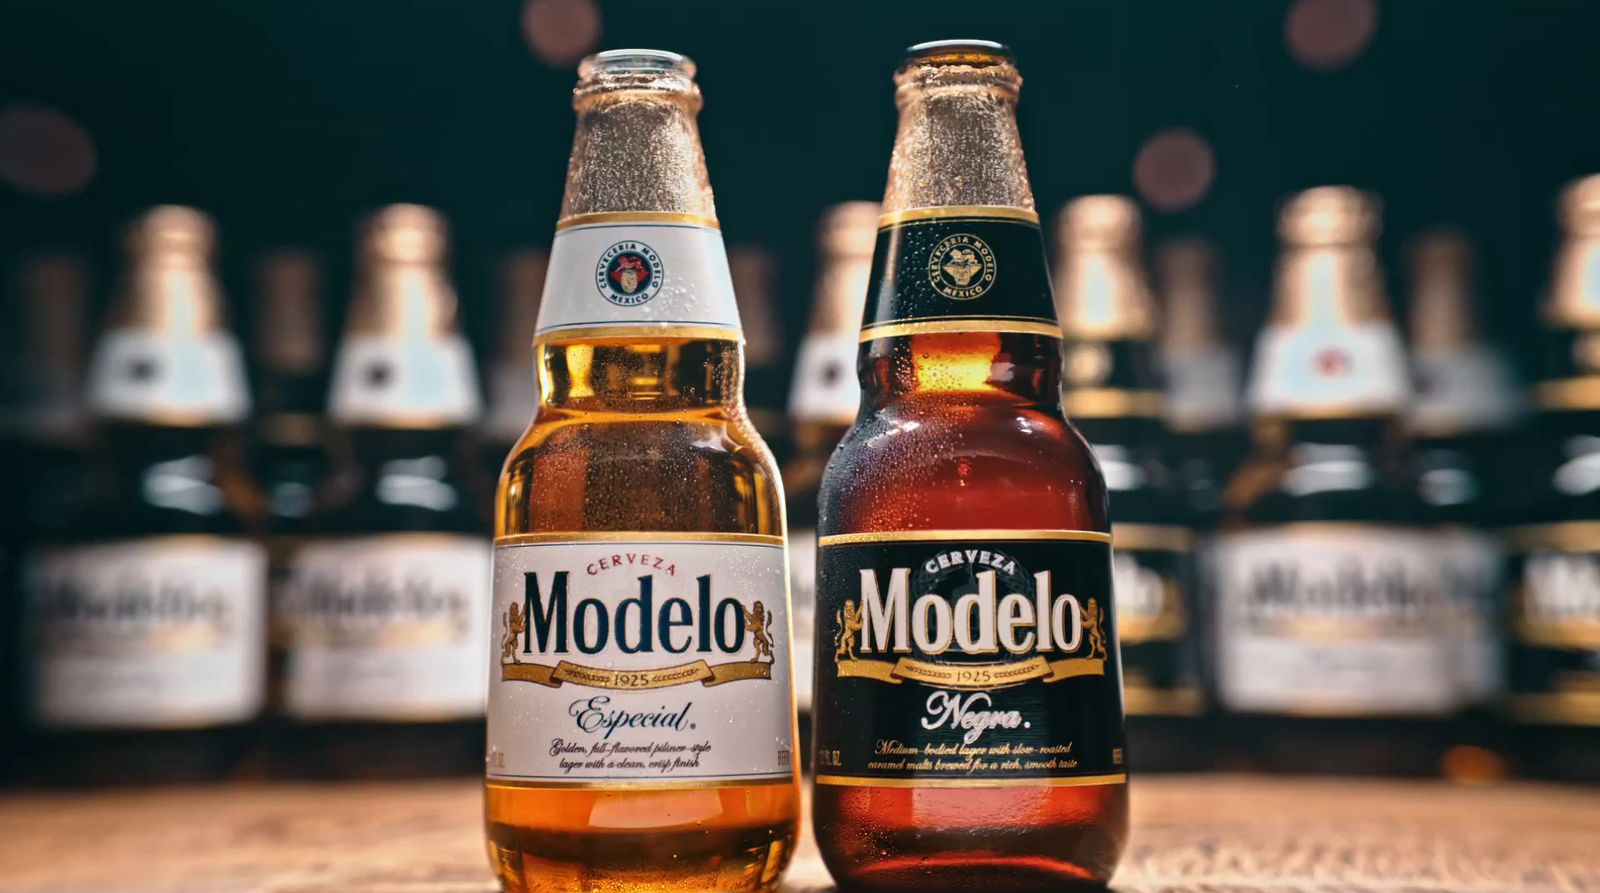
288, 335
1329, 215
1573, 301
166, 357
403, 362
957, 145
1442, 313
1101, 290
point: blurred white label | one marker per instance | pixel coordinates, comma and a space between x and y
803, 597
1475, 564
825, 385
1470, 388
1330, 366
1336, 618
387, 627
390, 380
638, 273
641, 661
148, 633
1203, 389
137, 373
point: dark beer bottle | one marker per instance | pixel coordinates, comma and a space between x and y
968, 696
1332, 627
513, 380
146, 611
1555, 549
385, 608
1112, 393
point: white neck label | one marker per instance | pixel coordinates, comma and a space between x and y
639, 275
1330, 367
387, 380
141, 374
825, 385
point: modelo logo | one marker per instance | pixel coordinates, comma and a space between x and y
1558, 603
552, 621
1350, 590
376, 610
629, 273
998, 610
138, 612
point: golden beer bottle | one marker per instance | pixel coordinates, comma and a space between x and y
968, 697
641, 720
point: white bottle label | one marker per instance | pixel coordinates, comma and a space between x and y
648, 661
1474, 563
1203, 389
1330, 366
826, 388
148, 633
1335, 619
803, 594
180, 375
647, 274
426, 380
1465, 389
391, 627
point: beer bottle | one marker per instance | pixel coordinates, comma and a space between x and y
44, 437
968, 696
754, 273
641, 720
291, 384
1111, 391
1459, 420
1332, 652
1555, 568
1201, 374
822, 405
146, 611
513, 386
384, 612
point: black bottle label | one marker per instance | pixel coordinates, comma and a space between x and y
1555, 624
960, 270
967, 658
1151, 571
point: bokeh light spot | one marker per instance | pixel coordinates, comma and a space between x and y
44, 152
1325, 35
1174, 169
561, 32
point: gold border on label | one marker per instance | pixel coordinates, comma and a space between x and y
1332, 411
1319, 528
1139, 701
638, 332
1568, 393
961, 326
1102, 402
935, 536
976, 212
637, 536
1152, 536
642, 784
858, 781
1567, 536
1555, 708
624, 217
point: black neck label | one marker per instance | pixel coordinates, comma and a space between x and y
982, 661
960, 273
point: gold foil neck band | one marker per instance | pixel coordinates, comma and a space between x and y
985, 325
637, 536
935, 536
640, 332
616, 218
945, 212
859, 781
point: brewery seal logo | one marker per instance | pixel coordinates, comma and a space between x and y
961, 267
629, 273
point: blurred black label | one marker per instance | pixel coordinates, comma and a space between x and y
985, 659
987, 271
1151, 572
1555, 633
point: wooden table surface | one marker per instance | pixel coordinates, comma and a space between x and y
1202, 834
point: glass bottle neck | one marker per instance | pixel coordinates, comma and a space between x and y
967, 367
635, 376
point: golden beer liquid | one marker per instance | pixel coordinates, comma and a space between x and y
644, 434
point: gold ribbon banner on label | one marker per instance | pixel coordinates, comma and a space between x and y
974, 676
1577, 634
663, 677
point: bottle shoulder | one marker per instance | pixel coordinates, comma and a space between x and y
1308, 483
946, 465
412, 482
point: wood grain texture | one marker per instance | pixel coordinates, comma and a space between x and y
1213, 834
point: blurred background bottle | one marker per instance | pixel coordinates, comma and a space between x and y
1555, 569
766, 376
513, 380
44, 437
1200, 369
822, 405
385, 610
1111, 391
146, 609
290, 353
1332, 650
1461, 418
